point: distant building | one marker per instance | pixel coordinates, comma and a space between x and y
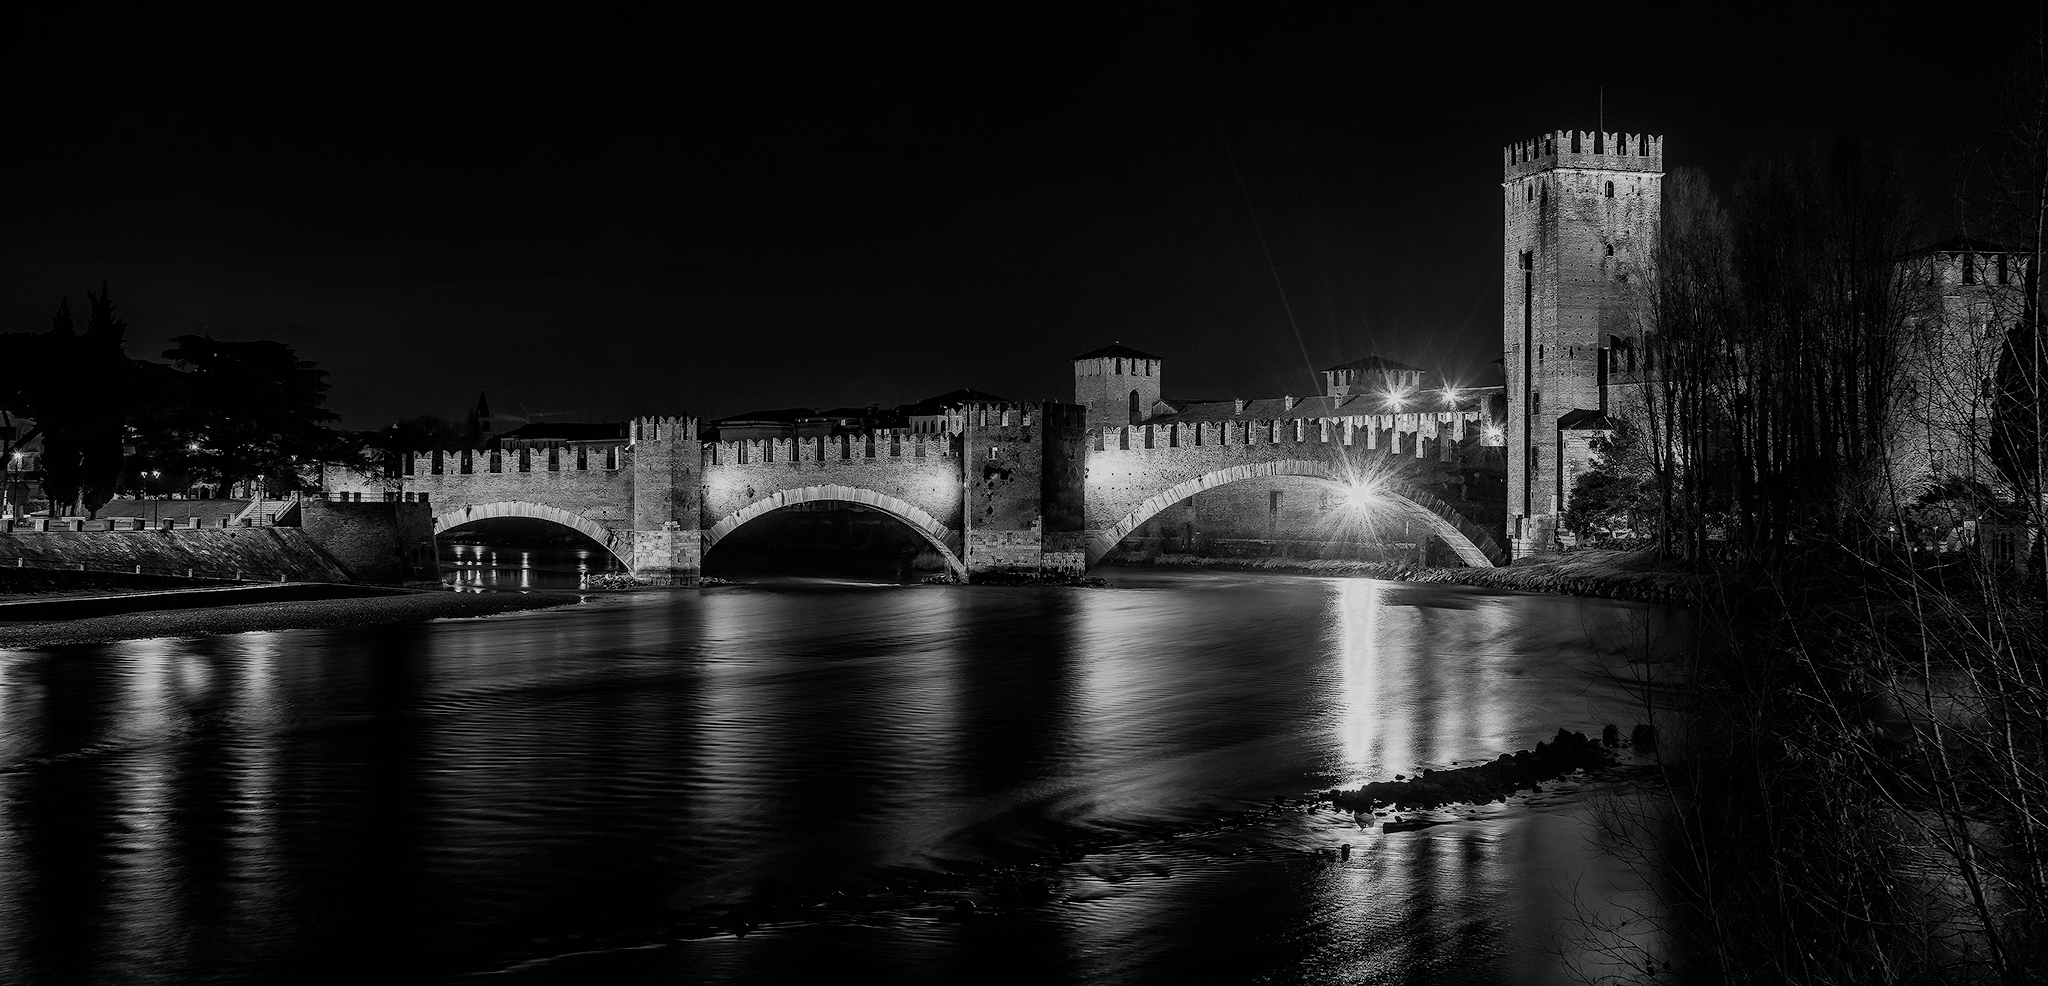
941, 415
1971, 294
21, 471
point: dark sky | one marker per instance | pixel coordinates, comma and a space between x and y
589, 217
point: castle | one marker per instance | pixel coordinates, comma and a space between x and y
1582, 214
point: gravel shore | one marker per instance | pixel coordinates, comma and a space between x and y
207, 621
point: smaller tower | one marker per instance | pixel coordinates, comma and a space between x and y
478, 428
1117, 384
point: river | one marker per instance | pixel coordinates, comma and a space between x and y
787, 781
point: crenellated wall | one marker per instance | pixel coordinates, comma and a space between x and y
1023, 487
914, 477
1134, 473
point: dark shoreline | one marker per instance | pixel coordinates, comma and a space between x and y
1625, 575
411, 607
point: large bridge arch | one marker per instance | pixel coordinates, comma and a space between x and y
941, 537
615, 542
1442, 521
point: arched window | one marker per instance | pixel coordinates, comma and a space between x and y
1610, 189
1134, 408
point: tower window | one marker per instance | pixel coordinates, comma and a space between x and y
1529, 192
1135, 418
1535, 402
1969, 268
1610, 249
1610, 189
1273, 503
2004, 275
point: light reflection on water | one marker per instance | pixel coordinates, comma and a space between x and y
567, 795
491, 568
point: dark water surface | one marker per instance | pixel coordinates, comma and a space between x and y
610, 792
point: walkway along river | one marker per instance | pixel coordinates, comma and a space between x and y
767, 783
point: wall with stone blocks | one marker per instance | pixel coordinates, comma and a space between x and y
601, 496
374, 542
932, 484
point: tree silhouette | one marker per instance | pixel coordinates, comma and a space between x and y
240, 411
78, 389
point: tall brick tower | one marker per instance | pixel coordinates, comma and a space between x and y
1582, 214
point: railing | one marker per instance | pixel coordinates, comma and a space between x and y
196, 574
76, 525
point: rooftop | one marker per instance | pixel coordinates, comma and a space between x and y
1115, 350
1374, 363
1962, 244
566, 431
1275, 408
950, 399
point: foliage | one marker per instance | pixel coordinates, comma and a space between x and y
1618, 493
240, 411
78, 389
1775, 331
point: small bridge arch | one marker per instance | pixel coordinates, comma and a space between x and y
1472, 546
613, 541
941, 537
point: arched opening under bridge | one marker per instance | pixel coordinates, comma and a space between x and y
515, 545
837, 531
1376, 504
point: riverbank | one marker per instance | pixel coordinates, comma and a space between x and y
210, 619
1638, 576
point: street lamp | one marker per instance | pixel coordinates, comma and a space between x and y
149, 477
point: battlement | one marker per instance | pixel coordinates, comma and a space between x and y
1584, 149
998, 414
657, 427
827, 448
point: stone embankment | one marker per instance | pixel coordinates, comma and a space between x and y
266, 554
1630, 575
213, 612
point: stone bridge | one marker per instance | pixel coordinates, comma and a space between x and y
1019, 487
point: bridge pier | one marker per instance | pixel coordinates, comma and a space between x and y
1023, 478
667, 541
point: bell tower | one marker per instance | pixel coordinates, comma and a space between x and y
1582, 214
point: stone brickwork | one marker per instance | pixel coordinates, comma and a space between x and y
1020, 488
374, 541
668, 495
1128, 487
1581, 216
1002, 465
1063, 484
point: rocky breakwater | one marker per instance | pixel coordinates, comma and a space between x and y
1564, 754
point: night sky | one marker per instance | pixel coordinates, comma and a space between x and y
590, 217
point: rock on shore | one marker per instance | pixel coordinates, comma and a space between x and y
1564, 754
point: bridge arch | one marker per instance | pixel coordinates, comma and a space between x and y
941, 537
1442, 521
613, 541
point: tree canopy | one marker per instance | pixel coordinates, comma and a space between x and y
220, 413
239, 411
